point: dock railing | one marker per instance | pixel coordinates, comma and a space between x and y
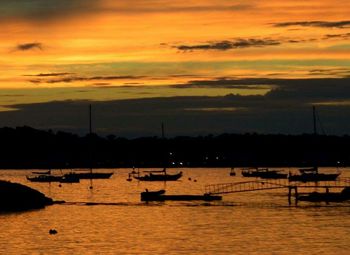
265, 184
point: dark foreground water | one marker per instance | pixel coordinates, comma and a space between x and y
243, 223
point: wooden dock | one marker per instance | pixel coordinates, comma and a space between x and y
236, 187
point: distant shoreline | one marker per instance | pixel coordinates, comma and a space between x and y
29, 148
160, 167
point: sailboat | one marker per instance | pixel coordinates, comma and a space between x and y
158, 175
44, 178
311, 174
48, 177
264, 173
89, 174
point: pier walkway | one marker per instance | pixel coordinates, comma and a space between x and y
266, 184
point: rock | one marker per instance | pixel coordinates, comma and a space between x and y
18, 197
53, 232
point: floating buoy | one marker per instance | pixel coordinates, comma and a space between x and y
52, 231
195, 180
189, 178
60, 185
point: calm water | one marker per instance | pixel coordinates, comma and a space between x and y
243, 223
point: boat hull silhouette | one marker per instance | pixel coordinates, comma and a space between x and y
311, 175
160, 196
44, 178
159, 177
264, 173
327, 197
67, 178
88, 175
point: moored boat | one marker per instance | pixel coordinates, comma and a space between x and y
91, 175
160, 196
158, 175
68, 178
42, 172
312, 174
264, 173
44, 178
327, 196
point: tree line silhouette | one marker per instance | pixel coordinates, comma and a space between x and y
26, 147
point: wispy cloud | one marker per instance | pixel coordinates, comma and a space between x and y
311, 87
324, 24
340, 72
69, 79
29, 46
337, 36
253, 83
228, 45
48, 74
241, 43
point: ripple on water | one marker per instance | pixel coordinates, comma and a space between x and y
116, 222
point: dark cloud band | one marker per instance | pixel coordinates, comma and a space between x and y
228, 45
285, 109
29, 46
49, 74
325, 24
68, 79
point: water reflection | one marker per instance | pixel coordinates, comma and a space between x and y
115, 221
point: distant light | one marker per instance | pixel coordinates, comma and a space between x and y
173, 163
181, 163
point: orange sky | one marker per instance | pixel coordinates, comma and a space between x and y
101, 43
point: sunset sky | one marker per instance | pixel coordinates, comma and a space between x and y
200, 66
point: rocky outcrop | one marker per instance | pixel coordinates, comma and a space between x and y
18, 197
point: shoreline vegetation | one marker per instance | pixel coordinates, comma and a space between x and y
29, 148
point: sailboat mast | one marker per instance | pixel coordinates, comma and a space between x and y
90, 143
315, 131
90, 124
166, 153
314, 119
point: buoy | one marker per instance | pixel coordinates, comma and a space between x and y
195, 180
189, 178
60, 185
52, 231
